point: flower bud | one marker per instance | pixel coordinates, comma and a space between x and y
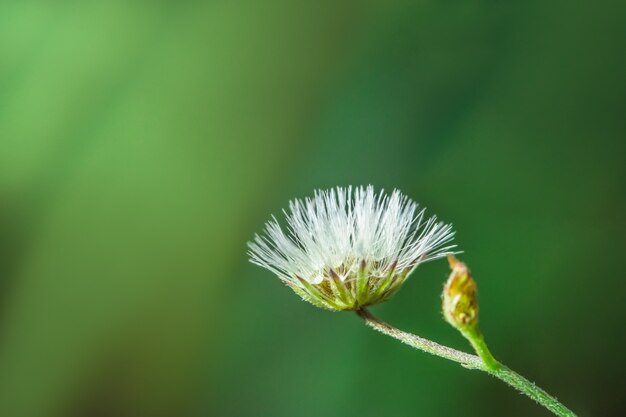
460, 307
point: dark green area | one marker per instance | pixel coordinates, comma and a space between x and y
143, 143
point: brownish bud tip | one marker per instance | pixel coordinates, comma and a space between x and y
333, 274
453, 261
393, 266
362, 265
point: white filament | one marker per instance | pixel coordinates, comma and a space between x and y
338, 228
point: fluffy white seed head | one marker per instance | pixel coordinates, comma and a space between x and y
345, 248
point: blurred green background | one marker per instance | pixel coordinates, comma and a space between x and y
143, 143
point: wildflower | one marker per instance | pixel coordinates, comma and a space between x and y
346, 248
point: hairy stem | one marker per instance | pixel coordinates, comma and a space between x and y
485, 362
525, 386
465, 359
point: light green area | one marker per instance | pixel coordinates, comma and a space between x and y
143, 143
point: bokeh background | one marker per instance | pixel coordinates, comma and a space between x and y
143, 143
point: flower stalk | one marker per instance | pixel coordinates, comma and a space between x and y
470, 362
465, 359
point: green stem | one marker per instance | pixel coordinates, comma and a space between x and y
526, 387
479, 345
485, 362
465, 359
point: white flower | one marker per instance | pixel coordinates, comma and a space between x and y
345, 249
